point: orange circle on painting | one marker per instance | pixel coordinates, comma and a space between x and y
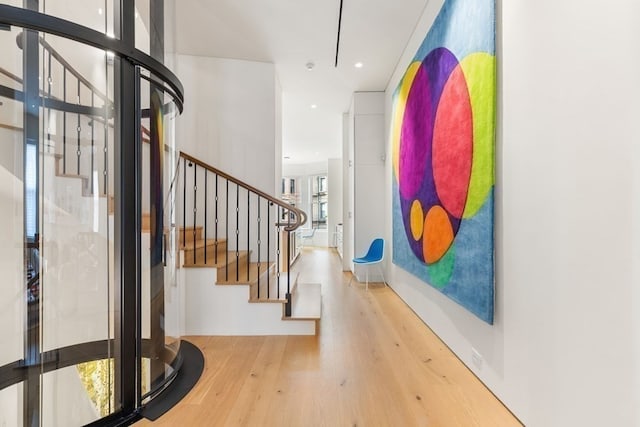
438, 234
416, 220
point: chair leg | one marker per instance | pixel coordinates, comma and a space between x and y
382, 274
366, 275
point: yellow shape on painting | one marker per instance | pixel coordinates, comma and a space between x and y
480, 73
417, 220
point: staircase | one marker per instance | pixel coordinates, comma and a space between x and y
237, 252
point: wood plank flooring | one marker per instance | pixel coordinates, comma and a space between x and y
373, 363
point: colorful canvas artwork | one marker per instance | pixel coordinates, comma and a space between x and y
443, 139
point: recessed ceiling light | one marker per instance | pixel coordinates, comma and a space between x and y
309, 65
99, 11
358, 65
286, 157
314, 106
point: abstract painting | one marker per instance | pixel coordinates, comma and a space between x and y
443, 139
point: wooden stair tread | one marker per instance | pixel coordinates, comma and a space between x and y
199, 244
238, 276
221, 264
190, 228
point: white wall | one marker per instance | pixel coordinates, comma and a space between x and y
225, 310
565, 346
367, 140
335, 198
278, 137
229, 119
347, 193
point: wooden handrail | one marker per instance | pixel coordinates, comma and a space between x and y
300, 215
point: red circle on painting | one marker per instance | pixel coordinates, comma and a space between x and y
453, 144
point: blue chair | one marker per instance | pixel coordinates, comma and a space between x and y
374, 255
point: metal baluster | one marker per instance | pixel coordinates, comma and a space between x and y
93, 123
226, 257
269, 204
258, 245
288, 295
248, 234
195, 210
205, 216
237, 233
78, 132
184, 204
49, 109
278, 252
105, 149
105, 102
216, 233
64, 121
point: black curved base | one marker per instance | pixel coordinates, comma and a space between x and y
187, 377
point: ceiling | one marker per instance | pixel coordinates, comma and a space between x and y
292, 33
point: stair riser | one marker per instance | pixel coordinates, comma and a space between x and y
187, 235
211, 255
240, 264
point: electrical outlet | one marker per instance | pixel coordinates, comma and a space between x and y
476, 358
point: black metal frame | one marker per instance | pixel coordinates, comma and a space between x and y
127, 346
120, 46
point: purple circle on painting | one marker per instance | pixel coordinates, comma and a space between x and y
415, 136
415, 168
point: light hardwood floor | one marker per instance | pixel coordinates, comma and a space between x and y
373, 363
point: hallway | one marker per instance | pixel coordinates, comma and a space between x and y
373, 363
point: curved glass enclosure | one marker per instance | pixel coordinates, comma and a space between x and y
90, 302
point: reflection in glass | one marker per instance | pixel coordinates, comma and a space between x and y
95, 14
76, 232
160, 297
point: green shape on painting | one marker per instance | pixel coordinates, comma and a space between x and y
480, 73
440, 273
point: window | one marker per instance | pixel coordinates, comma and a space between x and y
319, 201
31, 182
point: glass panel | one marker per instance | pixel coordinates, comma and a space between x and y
12, 286
143, 14
156, 40
73, 397
161, 301
76, 223
57, 206
95, 14
11, 406
98, 15
16, 3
